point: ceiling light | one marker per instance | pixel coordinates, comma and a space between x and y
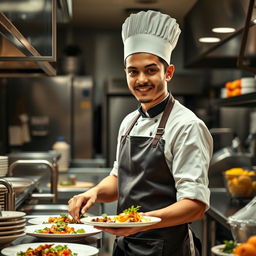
254, 21
223, 30
209, 39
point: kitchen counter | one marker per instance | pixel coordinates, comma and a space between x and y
216, 228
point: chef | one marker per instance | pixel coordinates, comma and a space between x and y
163, 150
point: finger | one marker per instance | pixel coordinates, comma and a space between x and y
75, 206
87, 206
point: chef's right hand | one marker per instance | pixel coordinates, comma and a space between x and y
79, 204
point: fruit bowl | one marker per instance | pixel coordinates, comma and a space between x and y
240, 183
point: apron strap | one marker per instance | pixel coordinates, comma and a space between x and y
130, 128
161, 126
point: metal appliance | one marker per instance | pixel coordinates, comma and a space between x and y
28, 35
54, 106
118, 103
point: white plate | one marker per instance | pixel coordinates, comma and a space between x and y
89, 231
41, 220
13, 222
7, 239
11, 215
88, 220
11, 232
217, 250
13, 227
80, 249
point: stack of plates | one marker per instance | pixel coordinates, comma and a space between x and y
12, 226
3, 165
248, 85
3, 194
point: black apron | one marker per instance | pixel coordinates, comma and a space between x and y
144, 179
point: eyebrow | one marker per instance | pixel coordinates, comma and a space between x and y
147, 66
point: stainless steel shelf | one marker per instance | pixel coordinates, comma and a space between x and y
246, 100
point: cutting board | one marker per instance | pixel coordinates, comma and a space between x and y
79, 184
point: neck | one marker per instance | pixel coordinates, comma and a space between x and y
147, 106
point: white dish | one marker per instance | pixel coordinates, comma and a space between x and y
13, 222
13, 227
217, 250
88, 220
11, 215
89, 231
80, 249
7, 239
11, 232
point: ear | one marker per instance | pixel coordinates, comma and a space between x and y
169, 73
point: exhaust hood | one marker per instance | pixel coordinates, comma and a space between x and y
200, 21
28, 36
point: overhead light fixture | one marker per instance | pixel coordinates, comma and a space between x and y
223, 30
209, 39
254, 21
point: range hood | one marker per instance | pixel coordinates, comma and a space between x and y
199, 22
28, 36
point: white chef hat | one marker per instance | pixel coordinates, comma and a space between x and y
150, 32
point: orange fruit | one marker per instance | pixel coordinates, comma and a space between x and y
245, 249
252, 240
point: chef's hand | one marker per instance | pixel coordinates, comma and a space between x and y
79, 204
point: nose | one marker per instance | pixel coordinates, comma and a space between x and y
142, 78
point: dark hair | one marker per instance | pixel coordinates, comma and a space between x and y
166, 65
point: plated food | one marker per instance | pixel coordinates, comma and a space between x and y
62, 218
65, 232
68, 249
48, 250
60, 228
129, 217
218, 250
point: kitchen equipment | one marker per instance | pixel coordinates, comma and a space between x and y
50, 156
59, 106
226, 158
18, 184
243, 222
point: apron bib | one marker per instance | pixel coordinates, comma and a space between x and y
144, 179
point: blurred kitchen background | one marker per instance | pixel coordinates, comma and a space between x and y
61, 74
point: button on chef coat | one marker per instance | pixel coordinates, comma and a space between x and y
188, 149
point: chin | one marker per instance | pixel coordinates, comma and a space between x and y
145, 100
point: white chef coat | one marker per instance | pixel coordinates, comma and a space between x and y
188, 149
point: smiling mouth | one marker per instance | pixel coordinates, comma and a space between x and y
143, 88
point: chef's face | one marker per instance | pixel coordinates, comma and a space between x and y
147, 78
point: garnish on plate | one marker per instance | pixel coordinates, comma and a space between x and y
60, 229
229, 246
130, 214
